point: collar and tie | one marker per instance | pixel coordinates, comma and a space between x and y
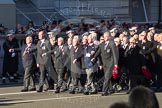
70, 46
42, 43
106, 44
61, 47
124, 46
27, 49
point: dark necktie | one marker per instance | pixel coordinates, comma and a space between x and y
26, 50
105, 46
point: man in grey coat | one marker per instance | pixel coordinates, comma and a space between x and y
109, 55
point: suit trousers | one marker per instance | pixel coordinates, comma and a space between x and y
136, 80
52, 72
68, 77
90, 78
107, 86
28, 77
60, 73
43, 76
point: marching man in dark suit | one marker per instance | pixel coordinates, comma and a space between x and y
76, 54
68, 62
109, 55
44, 62
158, 64
135, 62
29, 63
60, 55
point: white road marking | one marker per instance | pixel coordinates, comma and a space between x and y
19, 93
38, 100
5, 94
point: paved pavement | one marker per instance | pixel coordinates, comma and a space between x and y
11, 97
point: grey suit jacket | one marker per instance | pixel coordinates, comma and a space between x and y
43, 59
60, 57
109, 54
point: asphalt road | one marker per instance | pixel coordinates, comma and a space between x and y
11, 97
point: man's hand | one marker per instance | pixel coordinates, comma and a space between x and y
74, 61
92, 59
116, 65
11, 50
100, 67
38, 65
44, 54
144, 67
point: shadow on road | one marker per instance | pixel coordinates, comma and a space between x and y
9, 102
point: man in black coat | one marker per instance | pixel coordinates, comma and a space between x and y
76, 55
158, 63
146, 47
29, 63
135, 62
109, 55
10, 61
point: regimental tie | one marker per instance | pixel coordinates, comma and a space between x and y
26, 50
105, 46
42, 45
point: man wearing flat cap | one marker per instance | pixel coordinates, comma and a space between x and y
10, 61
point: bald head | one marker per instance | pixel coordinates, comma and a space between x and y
28, 39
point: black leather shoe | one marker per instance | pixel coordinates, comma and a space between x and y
80, 91
46, 89
51, 88
105, 94
94, 92
32, 89
57, 90
24, 90
72, 92
86, 92
40, 90
63, 89
111, 91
